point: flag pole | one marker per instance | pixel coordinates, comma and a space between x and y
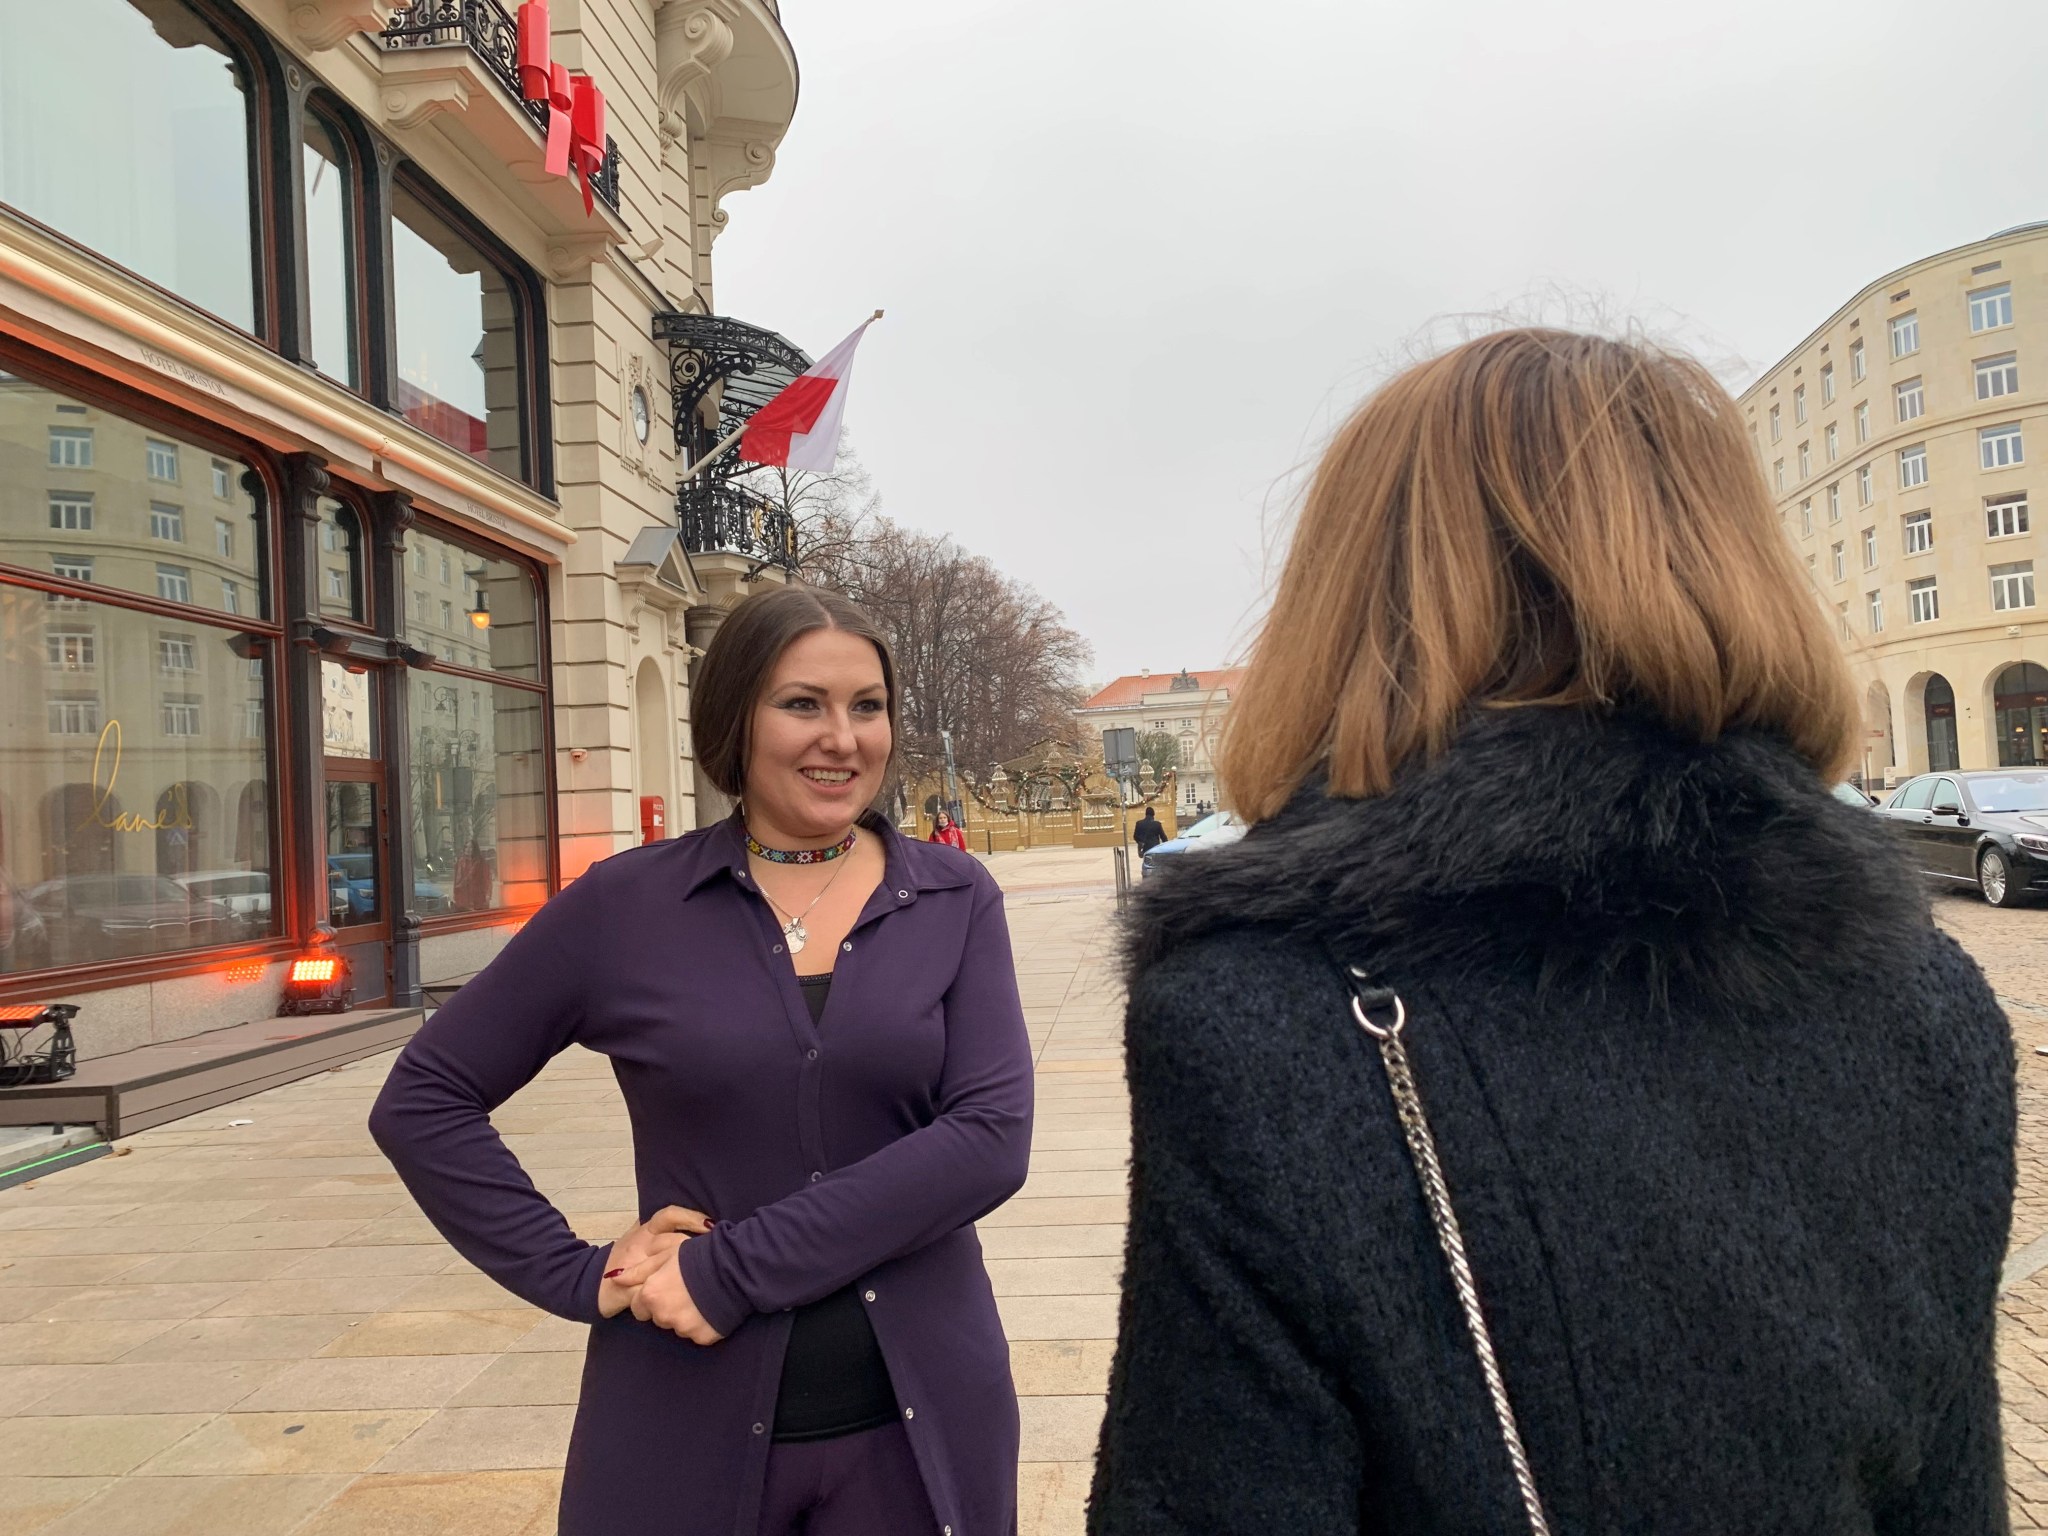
718, 450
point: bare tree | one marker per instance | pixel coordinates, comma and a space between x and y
829, 509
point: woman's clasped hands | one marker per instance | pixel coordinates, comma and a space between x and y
641, 1274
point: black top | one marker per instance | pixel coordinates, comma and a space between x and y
1727, 1122
834, 1379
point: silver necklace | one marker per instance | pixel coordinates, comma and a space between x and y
793, 929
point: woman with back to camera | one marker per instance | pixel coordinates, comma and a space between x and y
816, 1028
1537, 745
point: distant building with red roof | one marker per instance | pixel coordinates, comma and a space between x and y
1189, 706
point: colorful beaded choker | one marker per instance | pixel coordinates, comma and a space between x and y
800, 855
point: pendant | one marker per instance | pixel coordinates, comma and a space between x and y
793, 930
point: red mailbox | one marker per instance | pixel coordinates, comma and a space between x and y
653, 819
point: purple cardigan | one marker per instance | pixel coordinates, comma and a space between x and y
861, 1151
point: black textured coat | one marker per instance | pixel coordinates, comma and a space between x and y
1728, 1123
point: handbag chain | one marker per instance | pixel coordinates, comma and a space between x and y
1429, 1172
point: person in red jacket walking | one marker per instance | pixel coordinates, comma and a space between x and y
943, 831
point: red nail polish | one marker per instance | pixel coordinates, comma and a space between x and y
613, 1274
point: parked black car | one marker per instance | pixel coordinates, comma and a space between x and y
1987, 827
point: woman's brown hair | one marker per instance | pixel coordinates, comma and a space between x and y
742, 657
1534, 518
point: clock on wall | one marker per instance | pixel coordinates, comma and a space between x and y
641, 418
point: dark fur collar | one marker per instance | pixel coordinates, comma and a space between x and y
1582, 849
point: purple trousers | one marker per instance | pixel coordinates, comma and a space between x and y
856, 1485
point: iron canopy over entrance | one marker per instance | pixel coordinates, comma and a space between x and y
721, 371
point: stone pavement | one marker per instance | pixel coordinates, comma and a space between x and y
248, 1330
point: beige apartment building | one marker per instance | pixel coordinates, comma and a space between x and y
1188, 706
346, 581
1896, 439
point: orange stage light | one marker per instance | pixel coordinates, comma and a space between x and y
246, 970
314, 970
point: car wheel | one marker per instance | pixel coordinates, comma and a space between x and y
1994, 879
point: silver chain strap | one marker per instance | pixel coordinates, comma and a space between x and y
1422, 1149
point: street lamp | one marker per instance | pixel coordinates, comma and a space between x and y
480, 615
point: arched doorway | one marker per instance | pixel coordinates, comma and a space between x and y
1879, 750
652, 736
2019, 702
1938, 706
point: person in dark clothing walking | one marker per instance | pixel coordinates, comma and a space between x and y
1538, 741
1148, 833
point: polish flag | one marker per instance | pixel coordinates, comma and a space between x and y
800, 427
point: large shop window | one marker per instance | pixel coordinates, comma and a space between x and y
459, 344
331, 251
135, 737
478, 723
126, 127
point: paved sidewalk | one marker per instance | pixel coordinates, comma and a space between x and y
250, 1330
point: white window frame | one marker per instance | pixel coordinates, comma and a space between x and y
2012, 586
1866, 486
1916, 533
1834, 501
174, 583
1923, 600
1777, 426
1913, 467
1857, 366
160, 460
1838, 554
224, 538
71, 448
71, 511
2006, 517
1806, 459
1875, 610
1997, 376
180, 717
166, 522
1827, 384
1870, 549
337, 584
2001, 447
1778, 474
1906, 333
1863, 421
1806, 516
1909, 399
67, 716
72, 650
1831, 436
230, 596
1990, 308
1799, 405
176, 653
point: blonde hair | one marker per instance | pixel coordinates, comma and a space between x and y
1534, 518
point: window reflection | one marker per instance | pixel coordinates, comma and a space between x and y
470, 609
479, 808
112, 503
330, 247
125, 127
135, 751
458, 338
340, 594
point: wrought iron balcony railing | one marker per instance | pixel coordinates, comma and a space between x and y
488, 32
719, 517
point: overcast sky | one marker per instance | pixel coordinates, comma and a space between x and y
1139, 257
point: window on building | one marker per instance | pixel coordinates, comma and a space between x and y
2005, 516
1838, 561
1835, 501
1778, 474
337, 585
2000, 447
2012, 586
1906, 333
447, 615
1842, 619
166, 522
1912, 466
461, 343
1827, 384
1805, 459
180, 715
1777, 429
230, 596
224, 538
1856, 364
1876, 600
342, 565
161, 459
1799, 405
129, 131
1834, 442
174, 653
444, 567
174, 583
71, 511
1917, 532
74, 714
1998, 376
223, 481
1870, 549
419, 561
1923, 601
71, 650
1910, 399
331, 247
1806, 516
1863, 421
72, 567
1866, 486
1991, 307
71, 447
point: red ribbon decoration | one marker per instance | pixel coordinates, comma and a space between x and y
558, 99
586, 135
534, 40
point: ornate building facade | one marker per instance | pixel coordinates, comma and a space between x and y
350, 356
1187, 707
